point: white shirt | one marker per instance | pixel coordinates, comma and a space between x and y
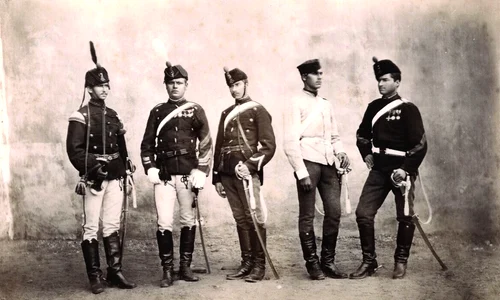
316, 139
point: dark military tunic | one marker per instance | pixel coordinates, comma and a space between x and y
231, 147
399, 129
106, 141
174, 149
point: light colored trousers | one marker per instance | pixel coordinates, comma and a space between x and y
165, 198
105, 206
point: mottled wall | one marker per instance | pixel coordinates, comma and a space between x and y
447, 50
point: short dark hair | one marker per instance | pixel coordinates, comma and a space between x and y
396, 76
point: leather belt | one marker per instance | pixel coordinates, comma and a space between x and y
107, 157
173, 153
388, 151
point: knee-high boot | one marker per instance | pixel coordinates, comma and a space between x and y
308, 244
166, 251
259, 265
114, 275
90, 251
186, 254
246, 255
404, 240
328, 266
369, 264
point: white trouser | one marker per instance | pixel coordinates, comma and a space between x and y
109, 201
165, 196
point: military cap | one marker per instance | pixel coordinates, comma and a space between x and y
234, 75
309, 66
98, 75
385, 66
174, 72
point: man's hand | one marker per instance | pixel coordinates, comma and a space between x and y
197, 178
153, 176
369, 161
241, 170
220, 189
306, 183
344, 160
398, 175
130, 166
101, 173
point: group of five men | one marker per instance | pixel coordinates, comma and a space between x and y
177, 151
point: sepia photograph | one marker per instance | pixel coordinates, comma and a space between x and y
266, 149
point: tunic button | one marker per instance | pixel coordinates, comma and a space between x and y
110, 133
108, 122
251, 120
192, 129
176, 129
91, 135
247, 130
191, 141
161, 140
175, 140
163, 152
157, 109
95, 147
232, 129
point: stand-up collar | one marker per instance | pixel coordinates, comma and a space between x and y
97, 102
392, 98
177, 102
242, 100
314, 94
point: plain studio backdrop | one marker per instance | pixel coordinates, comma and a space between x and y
447, 51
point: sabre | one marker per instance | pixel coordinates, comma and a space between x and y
198, 220
409, 209
344, 188
123, 223
248, 186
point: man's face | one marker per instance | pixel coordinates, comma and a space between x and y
386, 85
99, 92
176, 88
237, 89
312, 81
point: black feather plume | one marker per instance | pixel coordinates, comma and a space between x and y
93, 54
375, 60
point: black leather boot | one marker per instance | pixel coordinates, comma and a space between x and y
259, 268
246, 255
308, 244
186, 254
328, 266
115, 276
166, 249
369, 265
404, 240
90, 251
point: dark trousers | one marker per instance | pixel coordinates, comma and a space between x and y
238, 201
326, 180
376, 188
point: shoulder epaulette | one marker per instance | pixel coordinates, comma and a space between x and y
77, 117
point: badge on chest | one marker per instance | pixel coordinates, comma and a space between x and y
394, 115
187, 113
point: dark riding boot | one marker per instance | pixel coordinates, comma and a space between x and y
166, 249
90, 251
259, 268
186, 254
404, 240
369, 265
115, 276
246, 255
328, 257
308, 243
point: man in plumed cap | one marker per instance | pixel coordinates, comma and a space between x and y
391, 140
245, 144
176, 153
96, 147
314, 149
